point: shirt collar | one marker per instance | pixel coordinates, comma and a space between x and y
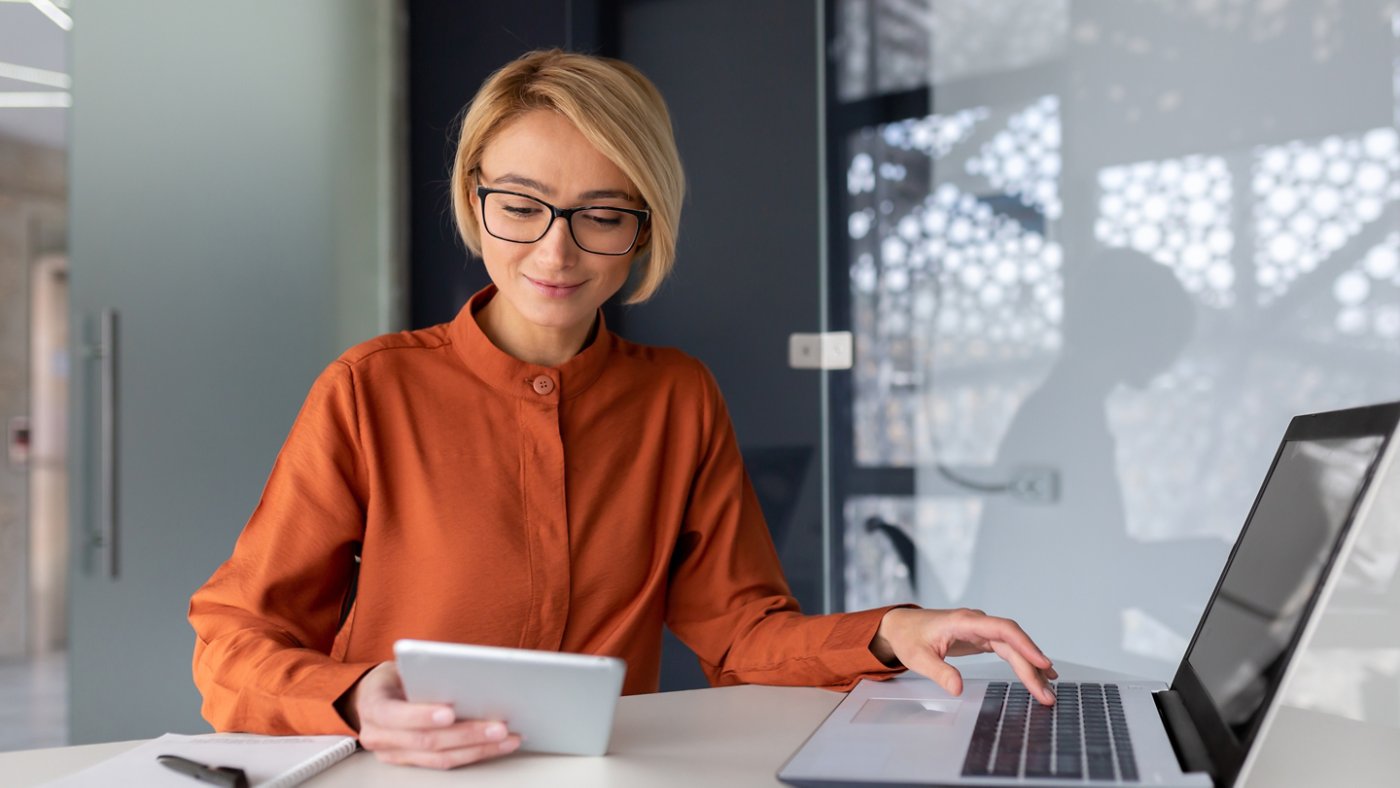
513, 377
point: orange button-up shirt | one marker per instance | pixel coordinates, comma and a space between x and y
572, 508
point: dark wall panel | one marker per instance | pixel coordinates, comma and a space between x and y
452, 48
739, 77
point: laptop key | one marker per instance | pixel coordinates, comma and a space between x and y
1068, 767
1038, 762
1008, 765
1101, 767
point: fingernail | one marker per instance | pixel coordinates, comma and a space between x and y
495, 731
509, 745
443, 716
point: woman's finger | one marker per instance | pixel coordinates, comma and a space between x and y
382, 705
1026, 672
450, 759
1013, 635
924, 661
991, 629
383, 711
461, 735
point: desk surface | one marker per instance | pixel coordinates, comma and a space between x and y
740, 736
727, 736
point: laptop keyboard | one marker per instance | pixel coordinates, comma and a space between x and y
1083, 736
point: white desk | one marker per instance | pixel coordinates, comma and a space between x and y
740, 736
728, 736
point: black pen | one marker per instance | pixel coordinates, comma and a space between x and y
224, 776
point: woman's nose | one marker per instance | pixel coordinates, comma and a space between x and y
557, 246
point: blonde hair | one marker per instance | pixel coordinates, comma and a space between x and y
616, 109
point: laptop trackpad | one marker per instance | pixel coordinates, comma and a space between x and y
908, 711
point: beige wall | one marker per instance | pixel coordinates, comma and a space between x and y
32, 215
48, 454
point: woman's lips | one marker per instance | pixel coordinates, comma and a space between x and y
555, 289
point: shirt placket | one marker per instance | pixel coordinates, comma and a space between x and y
546, 513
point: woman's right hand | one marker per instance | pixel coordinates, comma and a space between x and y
418, 734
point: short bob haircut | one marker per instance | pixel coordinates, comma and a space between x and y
616, 109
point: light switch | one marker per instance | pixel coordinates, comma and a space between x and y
831, 350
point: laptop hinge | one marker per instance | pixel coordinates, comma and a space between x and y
1186, 741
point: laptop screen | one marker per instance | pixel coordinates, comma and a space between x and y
1243, 644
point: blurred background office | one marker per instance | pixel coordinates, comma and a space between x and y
1011, 299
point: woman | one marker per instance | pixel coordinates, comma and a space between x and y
523, 477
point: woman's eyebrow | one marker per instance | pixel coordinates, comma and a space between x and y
595, 194
608, 194
529, 183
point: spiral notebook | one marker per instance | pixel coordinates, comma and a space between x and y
269, 761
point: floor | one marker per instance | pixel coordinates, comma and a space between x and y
34, 702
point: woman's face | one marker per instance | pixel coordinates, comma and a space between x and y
552, 284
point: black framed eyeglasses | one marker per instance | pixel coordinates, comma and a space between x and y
522, 219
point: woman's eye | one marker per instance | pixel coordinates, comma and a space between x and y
522, 210
604, 220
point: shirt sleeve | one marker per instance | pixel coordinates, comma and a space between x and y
266, 621
728, 600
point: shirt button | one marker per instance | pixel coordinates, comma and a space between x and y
543, 385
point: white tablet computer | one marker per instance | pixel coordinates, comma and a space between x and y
561, 703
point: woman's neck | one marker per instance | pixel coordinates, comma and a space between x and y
547, 347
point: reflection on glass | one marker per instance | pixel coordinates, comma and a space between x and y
1238, 653
1311, 200
1368, 298
1023, 159
1351, 668
1249, 150
884, 46
1361, 684
1069, 570
900, 548
1177, 211
940, 273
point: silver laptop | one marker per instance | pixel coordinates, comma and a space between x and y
1199, 731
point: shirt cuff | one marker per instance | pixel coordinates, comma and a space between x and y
317, 714
846, 651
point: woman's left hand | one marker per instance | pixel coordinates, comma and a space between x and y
922, 640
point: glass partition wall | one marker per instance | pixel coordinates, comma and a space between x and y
1095, 254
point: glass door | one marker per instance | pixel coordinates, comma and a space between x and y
226, 244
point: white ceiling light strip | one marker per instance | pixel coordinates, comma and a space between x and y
37, 76
54, 13
35, 100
